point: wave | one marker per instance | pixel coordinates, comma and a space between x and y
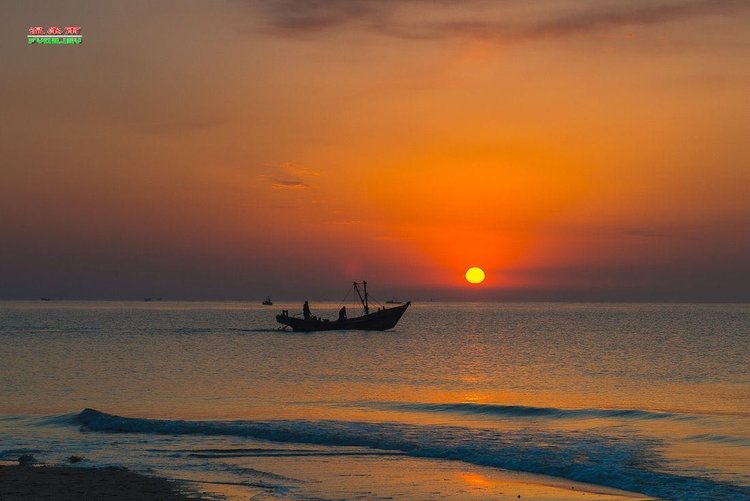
260, 329
12, 454
523, 411
293, 454
720, 439
629, 463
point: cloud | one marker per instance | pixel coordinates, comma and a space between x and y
289, 176
346, 222
286, 184
501, 21
179, 126
298, 170
316, 15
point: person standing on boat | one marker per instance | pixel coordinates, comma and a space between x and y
342, 313
306, 311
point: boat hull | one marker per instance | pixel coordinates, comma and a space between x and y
380, 320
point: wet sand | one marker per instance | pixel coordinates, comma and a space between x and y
400, 477
373, 477
61, 483
444, 480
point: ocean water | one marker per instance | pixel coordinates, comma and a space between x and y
652, 399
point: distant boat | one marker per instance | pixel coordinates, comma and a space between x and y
267, 301
147, 299
393, 300
45, 299
380, 320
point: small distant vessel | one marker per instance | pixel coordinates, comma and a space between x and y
393, 300
267, 301
380, 320
147, 299
45, 299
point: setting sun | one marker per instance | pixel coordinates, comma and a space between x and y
475, 275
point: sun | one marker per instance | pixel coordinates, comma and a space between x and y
475, 275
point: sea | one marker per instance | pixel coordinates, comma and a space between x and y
459, 401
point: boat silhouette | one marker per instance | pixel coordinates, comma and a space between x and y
379, 320
267, 301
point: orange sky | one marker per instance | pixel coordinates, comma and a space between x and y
572, 149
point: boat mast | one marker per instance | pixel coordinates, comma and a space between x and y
363, 299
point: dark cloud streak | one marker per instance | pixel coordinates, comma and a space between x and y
317, 15
288, 184
490, 21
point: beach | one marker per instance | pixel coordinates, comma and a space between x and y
460, 401
65, 483
60, 483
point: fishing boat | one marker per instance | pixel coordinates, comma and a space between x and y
267, 301
379, 320
393, 300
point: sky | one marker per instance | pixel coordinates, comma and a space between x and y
576, 150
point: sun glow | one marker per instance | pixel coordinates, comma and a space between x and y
475, 275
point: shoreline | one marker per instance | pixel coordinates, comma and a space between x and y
70, 483
67, 483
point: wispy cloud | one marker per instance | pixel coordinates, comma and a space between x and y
315, 15
298, 170
286, 184
289, 176
346, 222
179, 126
502, 21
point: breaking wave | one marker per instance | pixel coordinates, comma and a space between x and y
522, 411
630, 463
